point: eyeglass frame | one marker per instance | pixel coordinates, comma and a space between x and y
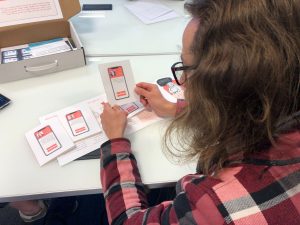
181, 68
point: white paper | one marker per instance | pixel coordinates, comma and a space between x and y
151, 11
49, 140
140, 121
83, 147
118, 82
13, 12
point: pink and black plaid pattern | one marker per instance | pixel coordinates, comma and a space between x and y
262, 189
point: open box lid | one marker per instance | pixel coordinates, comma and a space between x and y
69, 8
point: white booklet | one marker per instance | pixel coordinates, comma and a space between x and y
118, 82
28, 11
49, 140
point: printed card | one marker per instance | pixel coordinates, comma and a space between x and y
170, 89
49, 140
78, 120
133, 108
118, 82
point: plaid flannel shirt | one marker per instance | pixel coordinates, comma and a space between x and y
262, 189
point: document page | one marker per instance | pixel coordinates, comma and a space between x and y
151, 11
28, 11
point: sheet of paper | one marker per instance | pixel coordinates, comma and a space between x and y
118, 82
13, 12
151, 11
49, 140
83, 147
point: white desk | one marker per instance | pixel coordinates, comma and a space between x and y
121, 33
21, 176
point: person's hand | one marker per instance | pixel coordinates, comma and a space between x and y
151, 98
113, 120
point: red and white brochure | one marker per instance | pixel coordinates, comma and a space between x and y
49, 140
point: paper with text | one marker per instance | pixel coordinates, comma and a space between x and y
13, 12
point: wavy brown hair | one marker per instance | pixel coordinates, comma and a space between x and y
246, 80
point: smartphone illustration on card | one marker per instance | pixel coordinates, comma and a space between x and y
47, 140
171, 87
118, 82
77, 123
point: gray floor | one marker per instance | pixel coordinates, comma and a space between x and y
9, 216
89, 212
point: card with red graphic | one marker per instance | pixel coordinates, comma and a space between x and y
49, 140
170, 89
118, 82
77, 123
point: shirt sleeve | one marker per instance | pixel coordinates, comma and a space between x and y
126, 200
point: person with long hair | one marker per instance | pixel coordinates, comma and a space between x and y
240, 120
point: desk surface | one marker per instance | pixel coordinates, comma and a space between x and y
121, 33
22, 177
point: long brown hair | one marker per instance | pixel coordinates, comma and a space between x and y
246, 80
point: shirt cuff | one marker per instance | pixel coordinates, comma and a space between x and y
116, 145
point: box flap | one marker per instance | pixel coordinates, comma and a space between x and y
69, 8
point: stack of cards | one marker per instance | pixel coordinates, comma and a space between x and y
48, 141
60, 131
38, 49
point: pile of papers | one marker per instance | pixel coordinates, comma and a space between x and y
75, 131
151, 11
33, 50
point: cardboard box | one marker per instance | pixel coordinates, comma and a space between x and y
42, 31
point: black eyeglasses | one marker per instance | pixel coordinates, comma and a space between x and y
178, 72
